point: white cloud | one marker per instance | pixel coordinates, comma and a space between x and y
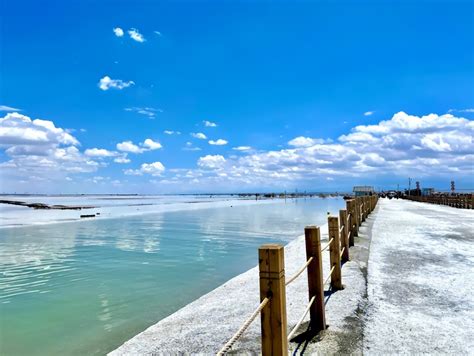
154, 169
199, 135
369, 113
302, 141
135, 35
171, 132
122, 160
211, 161
209, 123
242, 148
8, 108
147, 145
129, 146
99, 152
405, 145
118, 31
158, 33
147, 111
219, 142
38, 148
152, 145
18, 129
462, 110
107, 83
189, 147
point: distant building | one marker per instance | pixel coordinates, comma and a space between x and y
427, 191
362, 190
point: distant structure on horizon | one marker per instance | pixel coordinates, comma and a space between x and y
363, 190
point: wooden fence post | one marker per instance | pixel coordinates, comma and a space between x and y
334, 253
272, 285
344, 233
315, 278
357, 216
350, 204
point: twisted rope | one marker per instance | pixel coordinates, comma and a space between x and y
299, 272
290, 335
242, 329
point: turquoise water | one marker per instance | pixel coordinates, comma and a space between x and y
85, 288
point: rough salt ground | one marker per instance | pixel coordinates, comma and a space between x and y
420, 280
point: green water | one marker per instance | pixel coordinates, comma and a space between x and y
85, 288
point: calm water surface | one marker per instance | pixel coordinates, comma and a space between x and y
85, 288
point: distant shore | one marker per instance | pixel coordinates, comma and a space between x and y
33, 210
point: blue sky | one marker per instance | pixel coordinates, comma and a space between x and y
308, 91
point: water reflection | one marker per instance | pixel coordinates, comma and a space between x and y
84, 288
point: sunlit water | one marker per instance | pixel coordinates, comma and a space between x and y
85, 288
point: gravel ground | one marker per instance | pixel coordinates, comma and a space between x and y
420, 280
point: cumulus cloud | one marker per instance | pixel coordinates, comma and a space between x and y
152, 145
118, 31
135, 35
209, 123
38, 148
122, 159
219, 142
18, 129
154, 169
404, 145
130, 147
369, 113
211, 161
302, 141
8, 108
242, 148
99, 152
199, 135
107, 83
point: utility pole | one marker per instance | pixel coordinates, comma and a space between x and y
409, 186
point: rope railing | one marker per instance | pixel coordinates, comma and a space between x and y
297, 274
342, 252
273, 283
242, 329
327, 245
330, 274
298, 324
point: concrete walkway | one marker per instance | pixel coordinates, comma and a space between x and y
420, 280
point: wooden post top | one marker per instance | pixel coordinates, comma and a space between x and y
270, 247
271, 261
